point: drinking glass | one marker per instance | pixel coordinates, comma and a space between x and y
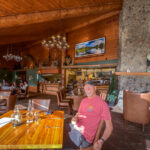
16, 117
36, 116
29, 114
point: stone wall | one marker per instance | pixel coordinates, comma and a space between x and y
134, 44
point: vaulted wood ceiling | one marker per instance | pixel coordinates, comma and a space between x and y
26, 21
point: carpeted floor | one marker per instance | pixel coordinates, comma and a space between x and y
128, 137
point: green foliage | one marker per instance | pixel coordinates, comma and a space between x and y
112, 91
101, 46
112, 96
6, 75
100, 74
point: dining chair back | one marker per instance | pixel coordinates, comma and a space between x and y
7, 104
61, 101
64, 102
5, 93
76, 102
103, 94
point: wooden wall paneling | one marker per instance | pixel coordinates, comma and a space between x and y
107, 28
41, 54
50, 71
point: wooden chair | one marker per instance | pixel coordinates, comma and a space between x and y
136, 107
103, 94
41, 104
64, 102
5, 93
97, 136
7, 104
76, 102
51, 88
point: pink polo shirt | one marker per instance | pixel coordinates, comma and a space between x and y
91, 112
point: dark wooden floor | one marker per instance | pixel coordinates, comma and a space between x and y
130, 137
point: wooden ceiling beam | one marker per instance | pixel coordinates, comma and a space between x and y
83, 24
18, 39
101, 17
33, 18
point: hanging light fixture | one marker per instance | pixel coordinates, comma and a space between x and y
10, 56
59, 41
17, 58
56, 41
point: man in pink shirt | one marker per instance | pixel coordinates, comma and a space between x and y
84, 124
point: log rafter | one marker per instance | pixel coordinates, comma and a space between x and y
17, 38
33, 18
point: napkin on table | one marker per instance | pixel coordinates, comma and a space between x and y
4, 121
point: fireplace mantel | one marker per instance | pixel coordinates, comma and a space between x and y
132, 73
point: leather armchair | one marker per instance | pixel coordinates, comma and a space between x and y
136, 107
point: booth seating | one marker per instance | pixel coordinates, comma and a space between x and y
49, 88
136, 107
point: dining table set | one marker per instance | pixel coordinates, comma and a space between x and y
45, 131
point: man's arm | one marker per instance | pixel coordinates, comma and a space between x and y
107, 132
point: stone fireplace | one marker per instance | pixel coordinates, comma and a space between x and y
134, 44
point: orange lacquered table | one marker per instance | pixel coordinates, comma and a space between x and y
47, 133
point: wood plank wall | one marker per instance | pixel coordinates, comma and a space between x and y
40, 53
107, 28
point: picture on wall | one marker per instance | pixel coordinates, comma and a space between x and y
93, 47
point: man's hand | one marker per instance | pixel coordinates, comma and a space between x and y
98, 145
75, 118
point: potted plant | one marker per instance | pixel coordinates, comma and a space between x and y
112, 91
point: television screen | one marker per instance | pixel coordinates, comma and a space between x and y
93, 47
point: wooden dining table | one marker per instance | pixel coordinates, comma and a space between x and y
47, 133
